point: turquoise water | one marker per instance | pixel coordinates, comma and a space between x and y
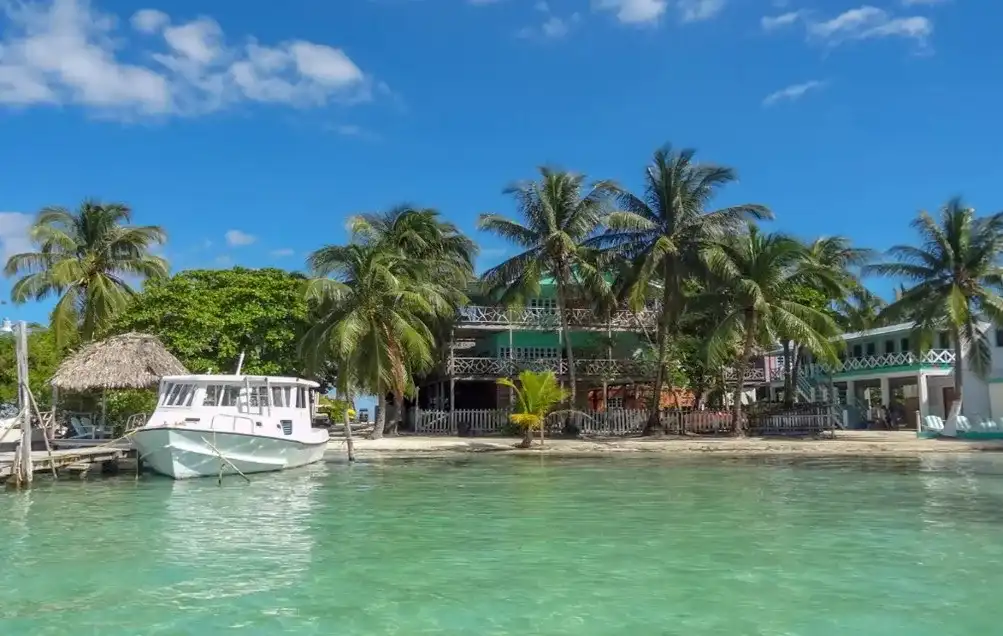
509, 545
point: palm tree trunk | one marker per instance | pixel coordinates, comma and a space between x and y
654, 424
796, 363
958, 368
348, 429
788, 377
381, 414
743, 364
572, 380
398, 415
527, 437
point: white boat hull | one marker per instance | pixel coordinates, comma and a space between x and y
183, 453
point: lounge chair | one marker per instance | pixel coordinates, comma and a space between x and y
933, 423
83, 428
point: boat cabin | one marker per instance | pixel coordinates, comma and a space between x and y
255, 405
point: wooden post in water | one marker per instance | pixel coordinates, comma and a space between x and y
348, 429
27, 470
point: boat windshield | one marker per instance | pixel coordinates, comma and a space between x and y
181, 394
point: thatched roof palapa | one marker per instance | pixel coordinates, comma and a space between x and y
128, 361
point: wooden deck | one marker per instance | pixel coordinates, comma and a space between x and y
78, 459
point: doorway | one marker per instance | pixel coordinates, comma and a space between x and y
949, 397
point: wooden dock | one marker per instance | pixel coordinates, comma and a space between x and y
78, 460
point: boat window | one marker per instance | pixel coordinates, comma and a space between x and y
259, 396
180, 395
289, 392
229, 397
300, 398
277, 397
212, 394
167, 391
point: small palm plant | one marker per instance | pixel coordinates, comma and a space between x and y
536, 396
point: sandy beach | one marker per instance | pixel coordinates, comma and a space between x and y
884, 443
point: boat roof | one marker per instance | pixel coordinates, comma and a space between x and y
239, 379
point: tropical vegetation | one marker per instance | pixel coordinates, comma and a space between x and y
86, 257
537, 395
373, 315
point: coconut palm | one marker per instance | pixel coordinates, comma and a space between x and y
536, 396
430, 250
559, 213
828, 274
438, 247
85, 257
860, 310
663, 233
759, 272
957, 282
372, 317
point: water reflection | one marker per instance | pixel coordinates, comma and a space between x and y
215, 535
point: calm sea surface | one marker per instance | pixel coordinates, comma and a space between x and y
515, 545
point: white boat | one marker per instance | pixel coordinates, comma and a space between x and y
207, 424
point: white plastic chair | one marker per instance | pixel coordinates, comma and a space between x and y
933, 423
963, 424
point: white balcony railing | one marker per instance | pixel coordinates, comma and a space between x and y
550, 319
587, 367
934, 357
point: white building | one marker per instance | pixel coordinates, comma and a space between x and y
880, 367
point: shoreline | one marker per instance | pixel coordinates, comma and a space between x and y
846, 443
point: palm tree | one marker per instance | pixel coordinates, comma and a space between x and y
759, 273
85, 257
828, 274
860, 310
372, 317
559, 214
438, 247
536, 396
430, 249
663, 234
957, 282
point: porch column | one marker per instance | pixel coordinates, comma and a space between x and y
886, 391
851, 393
923, 398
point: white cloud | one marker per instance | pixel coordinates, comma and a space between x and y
149, 20
869, 22
14, 228
634, 11
651, 11
285, 251
236, 238
771, 23
698, 10
553, 26
66, 52
793, 92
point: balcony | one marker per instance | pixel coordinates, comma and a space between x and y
549, 319
757, 375
941, 358
493, 368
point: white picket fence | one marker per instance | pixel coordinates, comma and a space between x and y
611, 423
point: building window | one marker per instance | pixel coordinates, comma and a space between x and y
889, 346
905, 345
872, 349
999, 337
858, 351
945, 340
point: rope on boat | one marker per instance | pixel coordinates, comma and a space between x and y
223, 459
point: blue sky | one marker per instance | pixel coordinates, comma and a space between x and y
252, 130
